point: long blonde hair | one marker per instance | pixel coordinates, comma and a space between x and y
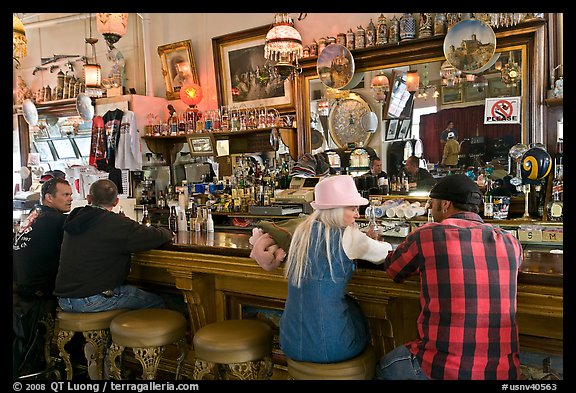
297, 262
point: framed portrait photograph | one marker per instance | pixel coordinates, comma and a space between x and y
392, 129
404, 129
244, 76
178, 66
451, 95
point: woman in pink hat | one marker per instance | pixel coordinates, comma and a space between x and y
320, 322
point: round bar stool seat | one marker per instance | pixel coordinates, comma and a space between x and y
95, 329
148, 332
361, 367
234, 349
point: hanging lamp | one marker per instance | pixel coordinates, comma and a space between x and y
19, 41
283, 45
92, 70
112, 26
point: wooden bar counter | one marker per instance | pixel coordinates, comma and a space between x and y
218, 280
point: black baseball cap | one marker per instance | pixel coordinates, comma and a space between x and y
457, 188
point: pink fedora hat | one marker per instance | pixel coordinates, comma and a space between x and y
336, 191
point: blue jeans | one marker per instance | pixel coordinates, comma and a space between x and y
399, 364
125, 296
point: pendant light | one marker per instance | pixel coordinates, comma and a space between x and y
112, 26
92, 71
19, 41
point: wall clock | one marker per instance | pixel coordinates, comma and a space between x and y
345, 121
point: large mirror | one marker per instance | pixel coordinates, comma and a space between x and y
443, 94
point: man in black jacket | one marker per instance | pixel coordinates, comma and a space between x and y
95, 256
35, 258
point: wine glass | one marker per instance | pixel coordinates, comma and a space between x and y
516, 152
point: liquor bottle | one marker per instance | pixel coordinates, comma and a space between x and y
555, 207
488, 204
209, 221
192, 214
161, 201
173, 219
173, 124
182, 221
145, 218
198, 222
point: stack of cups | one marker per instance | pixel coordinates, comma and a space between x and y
414, 210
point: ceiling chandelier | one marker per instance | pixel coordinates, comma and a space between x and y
19, 41
425, 86
283, 45
510, 72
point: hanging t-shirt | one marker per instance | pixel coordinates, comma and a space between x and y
112, 122
128, 149
97, 141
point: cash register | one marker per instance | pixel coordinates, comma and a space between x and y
301, 190
295, 199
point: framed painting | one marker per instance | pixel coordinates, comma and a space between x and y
474, 94
497, 88
392, 129
451, 95
244, 76
178, 66
200, 145
404, 129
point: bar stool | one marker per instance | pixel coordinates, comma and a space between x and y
361, 367
234, 348
95, 329
148, 332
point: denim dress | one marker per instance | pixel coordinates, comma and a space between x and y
320, 323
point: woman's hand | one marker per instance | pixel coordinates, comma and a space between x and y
267, 253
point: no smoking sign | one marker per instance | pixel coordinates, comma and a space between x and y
504, 110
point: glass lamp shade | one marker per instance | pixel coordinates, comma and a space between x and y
412, 81
191, 94
19, 41
380, 86
283, 41
92, 75
112, 26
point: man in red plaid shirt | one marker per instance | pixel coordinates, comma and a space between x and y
468, 272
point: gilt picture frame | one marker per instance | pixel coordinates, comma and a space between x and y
244, 77
178, 66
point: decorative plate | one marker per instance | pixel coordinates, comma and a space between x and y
470, 45
335, 66
344, 121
